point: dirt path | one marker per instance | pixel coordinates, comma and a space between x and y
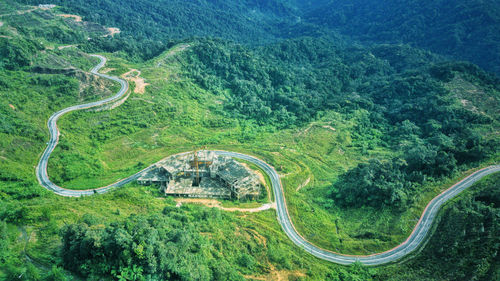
65, 47
134, 76
257, 236
316, 124
26, 239
173, 52
328, 127
180, 48
212, 203
303, 184
141, 99
277, 275
75, 17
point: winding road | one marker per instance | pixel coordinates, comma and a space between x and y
41, 169
412, 243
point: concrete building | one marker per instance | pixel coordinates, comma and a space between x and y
203, 174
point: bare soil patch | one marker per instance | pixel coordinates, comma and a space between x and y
259, 174
112, 31
75, 17
329, 127
88, 80
134, 76
473, 97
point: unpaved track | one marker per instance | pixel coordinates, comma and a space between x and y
74, 17
212, 203
134, 75
411, 244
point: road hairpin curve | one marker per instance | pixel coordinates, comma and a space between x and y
415, 239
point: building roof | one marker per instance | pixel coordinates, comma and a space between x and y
231, 172
223, 177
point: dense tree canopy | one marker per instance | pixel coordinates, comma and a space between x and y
465, 29
254, 59
156, 247
374, 184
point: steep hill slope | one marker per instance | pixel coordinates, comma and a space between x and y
465, 30
465, 243
41, 71
147, 26
316, 108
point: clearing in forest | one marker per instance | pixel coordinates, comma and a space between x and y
75, 17
134, 76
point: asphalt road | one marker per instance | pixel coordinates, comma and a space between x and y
41, 169
414, 240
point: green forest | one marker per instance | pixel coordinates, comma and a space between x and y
467, 30
464, 30
364, 119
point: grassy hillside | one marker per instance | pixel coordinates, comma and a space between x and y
39, 75
316, 109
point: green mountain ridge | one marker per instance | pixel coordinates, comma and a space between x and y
461, 30
464, 30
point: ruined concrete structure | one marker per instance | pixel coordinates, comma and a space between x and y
203, 174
